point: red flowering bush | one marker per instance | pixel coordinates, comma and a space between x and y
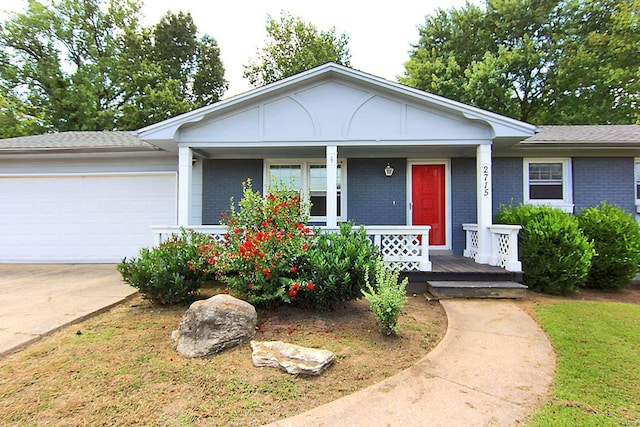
264, 245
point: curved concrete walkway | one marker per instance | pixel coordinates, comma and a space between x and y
493, 368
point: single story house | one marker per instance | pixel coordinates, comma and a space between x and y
411, 166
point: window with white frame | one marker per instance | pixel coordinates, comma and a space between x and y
310, 178
548, 182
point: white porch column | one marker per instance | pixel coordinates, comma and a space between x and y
484, 202
332, 193
185, 172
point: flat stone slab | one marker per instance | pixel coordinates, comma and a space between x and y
294, 359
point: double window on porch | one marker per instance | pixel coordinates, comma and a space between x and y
309, 179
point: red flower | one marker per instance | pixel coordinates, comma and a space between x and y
310, 286
236, 230
267, 273
293, 293
294, 269
250, 286
305, 247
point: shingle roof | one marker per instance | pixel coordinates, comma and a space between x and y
588, 134
81, 141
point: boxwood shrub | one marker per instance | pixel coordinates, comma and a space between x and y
616, 238
555, 254
338, 263
170, 273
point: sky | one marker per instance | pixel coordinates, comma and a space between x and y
380, 33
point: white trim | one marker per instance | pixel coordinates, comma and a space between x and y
484, 201
305, 163
566, 204
447, 196
78, 174
185, 177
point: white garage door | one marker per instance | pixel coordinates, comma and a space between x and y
88, 218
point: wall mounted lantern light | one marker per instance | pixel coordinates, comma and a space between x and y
388, 170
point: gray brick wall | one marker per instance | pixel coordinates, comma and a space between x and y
463, 199
221, 180
371, 195
507, 182
596, 179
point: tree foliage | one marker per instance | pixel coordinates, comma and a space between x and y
294, 46
542, 61
89, 65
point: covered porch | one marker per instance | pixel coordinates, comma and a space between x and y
409, 166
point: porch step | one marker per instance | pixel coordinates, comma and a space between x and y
475, 289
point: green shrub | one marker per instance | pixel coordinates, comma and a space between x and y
337, 264
555, 254
171, 272
386, 298
616, 237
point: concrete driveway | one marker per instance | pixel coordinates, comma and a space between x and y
38, 299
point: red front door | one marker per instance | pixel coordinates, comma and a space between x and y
428, 201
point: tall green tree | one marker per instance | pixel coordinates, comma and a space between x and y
542, 61
89, 65
294, 46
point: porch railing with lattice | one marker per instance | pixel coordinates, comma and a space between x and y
404, 247
504, 245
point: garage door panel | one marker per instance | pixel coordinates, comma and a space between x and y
82, 218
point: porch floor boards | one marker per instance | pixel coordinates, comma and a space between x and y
454, 276
460, 264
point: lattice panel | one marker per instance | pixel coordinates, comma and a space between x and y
399, 245
473, 250
408, 266
503, 250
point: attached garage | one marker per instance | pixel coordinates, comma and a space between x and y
97, 205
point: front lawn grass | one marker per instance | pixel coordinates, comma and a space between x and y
597, 382
120, 368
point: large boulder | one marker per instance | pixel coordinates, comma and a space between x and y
292, 358
212, 325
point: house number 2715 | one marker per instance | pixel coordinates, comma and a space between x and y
485, 181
